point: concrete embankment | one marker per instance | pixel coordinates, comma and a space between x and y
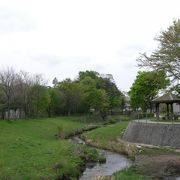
153, 133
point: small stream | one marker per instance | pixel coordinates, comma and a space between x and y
114, 162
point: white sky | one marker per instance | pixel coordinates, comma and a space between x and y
59, 38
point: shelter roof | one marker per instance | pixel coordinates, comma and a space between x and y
167, 98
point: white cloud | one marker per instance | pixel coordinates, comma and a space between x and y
12, 21
59, 38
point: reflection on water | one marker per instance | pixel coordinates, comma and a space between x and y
114, 162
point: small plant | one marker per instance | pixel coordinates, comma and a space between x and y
61, 132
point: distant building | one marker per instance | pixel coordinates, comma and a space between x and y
127, 105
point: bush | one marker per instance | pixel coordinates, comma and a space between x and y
141, 115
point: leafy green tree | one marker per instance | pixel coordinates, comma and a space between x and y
87, 84
115, 95
93, 75
99, 101
73, 95
28, 96
145, 88
92, 79
84, 74
39, 100
167, 56
95, 92
57, 102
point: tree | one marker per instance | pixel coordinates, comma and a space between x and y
26, 95
92, 74
55, 81
7, 80
145, 88
39, 100
2, 101
115, 95
98, 100
87, 85
92, 79
22, 92
167, 56
57, 102
72, 93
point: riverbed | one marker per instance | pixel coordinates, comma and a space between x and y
114, 162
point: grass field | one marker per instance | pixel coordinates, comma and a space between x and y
106, 134
33, 149
30, 149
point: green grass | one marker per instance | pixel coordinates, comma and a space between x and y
129, 174
157, 151
29, 149
109, 137
104, 138
106, 134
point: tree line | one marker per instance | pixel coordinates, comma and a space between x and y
29, 95
90, 91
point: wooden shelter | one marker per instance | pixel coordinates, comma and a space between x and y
169, 99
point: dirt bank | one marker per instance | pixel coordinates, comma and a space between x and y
159, 167
153, 162
118, 146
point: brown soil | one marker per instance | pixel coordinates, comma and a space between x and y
159, 167
118, 146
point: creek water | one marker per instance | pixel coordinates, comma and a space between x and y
114, 162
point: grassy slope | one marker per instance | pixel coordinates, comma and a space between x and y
129, 174
106, 134
103, 137
30, 150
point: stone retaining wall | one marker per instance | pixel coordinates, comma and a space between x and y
153, 133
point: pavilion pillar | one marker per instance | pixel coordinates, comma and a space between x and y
167, 104
157, 111
171, 110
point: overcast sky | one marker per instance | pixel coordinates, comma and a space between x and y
59, 38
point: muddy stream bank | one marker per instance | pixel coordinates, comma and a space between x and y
114, 162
